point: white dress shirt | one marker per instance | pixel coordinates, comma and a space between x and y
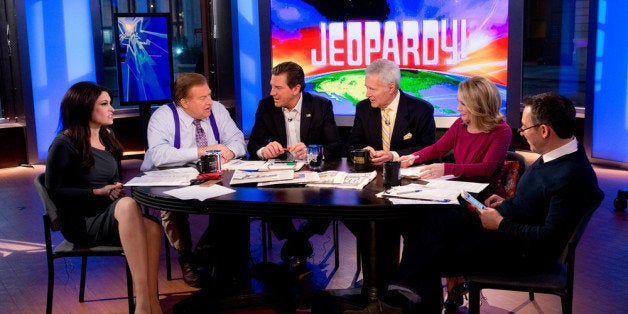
568, 148
292, 119
293, 123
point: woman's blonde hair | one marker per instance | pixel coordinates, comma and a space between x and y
483, 101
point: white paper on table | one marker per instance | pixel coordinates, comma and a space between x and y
243, 177
302, 177
423, 193
411, 172
276, 164
403, 201
200, 193
473, 187
343, 180
240, 164
167, 177
327, 177
414, 172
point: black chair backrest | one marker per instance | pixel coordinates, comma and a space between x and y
570, 248
49, 206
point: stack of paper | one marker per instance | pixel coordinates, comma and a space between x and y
473, 187
434, 192
243, 177
411, 172
263, 165
344, 180
273, 164
168, 177
240, 164
415, 171
300, 178
200, 193
423, 193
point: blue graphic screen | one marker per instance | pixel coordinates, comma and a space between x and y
144, 56
610, 114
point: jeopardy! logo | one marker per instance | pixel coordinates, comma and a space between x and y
408, 43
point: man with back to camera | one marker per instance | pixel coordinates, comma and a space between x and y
389, 123
521, 235
285, 123
203, 124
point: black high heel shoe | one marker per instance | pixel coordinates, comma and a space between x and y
455, 297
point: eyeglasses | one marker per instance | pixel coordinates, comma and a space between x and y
521, 130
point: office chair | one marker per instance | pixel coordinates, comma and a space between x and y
558, 281
52, 222
514, 166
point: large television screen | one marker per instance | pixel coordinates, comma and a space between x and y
607, 84
144, 58
437, 44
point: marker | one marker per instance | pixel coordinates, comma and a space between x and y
408, 192
292, 163
418, 198
431, 200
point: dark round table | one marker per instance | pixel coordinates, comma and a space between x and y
352, 206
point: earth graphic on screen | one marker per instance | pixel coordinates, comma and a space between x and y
346, 89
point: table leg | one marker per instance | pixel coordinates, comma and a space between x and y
620, 201
233, 250
230, 285
379, 243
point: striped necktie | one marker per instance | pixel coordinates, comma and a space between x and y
386, 129
201, 139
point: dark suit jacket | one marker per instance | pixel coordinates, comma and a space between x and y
414, 126
317, 126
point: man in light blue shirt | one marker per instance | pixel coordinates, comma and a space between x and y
166, 148
161, 131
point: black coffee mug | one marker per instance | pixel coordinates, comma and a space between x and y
392, 173
207, 164
361, 159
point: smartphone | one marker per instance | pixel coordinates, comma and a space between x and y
471, 200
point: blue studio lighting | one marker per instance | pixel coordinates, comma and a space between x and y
61, 51
247, 60
610, 114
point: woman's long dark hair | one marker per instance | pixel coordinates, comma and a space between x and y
76, 111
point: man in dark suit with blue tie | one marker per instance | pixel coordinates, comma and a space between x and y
389, 123
285, 123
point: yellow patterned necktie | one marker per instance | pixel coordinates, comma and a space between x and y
386, 129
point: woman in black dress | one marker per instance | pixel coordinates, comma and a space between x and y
82, 175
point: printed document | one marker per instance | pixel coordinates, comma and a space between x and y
168, 177
344, 180
243, 177
200, 193
423, 193
241, 164
300, 178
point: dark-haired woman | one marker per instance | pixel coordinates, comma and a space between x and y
82, 175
